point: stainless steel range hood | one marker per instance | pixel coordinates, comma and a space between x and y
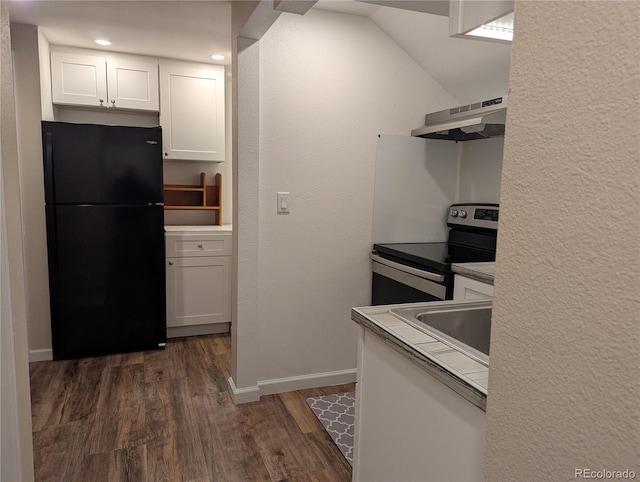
466, 122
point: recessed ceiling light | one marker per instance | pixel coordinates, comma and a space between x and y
217, 57
103, 42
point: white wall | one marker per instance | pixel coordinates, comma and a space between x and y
480, 170
16, 451
25, 43
563, 385
470, 70
9, 433
416, 181
44, 57
329, 83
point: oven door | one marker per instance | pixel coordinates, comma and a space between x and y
394, 283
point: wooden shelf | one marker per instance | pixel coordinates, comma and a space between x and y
177, 187
198, 197
192, 208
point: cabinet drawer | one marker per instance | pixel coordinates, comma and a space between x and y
187, 245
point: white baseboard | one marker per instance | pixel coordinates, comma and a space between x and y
209, 329
280, 385
45, 354
243, 395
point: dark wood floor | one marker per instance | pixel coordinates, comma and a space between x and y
167, 415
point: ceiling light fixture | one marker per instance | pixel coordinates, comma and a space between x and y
103, 42
488, 31
217, 57
499, 29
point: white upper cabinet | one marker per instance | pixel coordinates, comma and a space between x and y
87, 78
192, 111
78, 79
133, 84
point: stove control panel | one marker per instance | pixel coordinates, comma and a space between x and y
474, 215
490, 214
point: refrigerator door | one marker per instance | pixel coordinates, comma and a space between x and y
98, 164
107, 279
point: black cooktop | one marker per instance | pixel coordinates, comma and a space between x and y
420, 255
436, 256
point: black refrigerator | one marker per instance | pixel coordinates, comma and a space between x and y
105, 238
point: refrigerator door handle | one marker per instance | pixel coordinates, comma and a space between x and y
52, 239
48, 166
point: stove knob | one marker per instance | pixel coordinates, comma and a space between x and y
453, 213
463, 213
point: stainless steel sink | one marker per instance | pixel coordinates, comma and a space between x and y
466, 328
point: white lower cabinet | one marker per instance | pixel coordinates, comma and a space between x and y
198, 270
409, 425
199, 290
469, 289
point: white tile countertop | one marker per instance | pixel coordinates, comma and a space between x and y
454, 368
484, 272
174, 228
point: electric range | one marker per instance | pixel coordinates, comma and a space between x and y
413, 272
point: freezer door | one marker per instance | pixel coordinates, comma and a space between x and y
98, 164
107, 279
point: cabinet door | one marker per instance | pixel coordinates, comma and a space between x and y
469, 289
192, 113
78, 79
405, 415
132, 84
198, 290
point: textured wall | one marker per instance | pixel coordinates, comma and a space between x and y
563, 387
25, 42
246, 173
329, 83
15, 444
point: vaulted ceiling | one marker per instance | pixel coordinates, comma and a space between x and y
193, 30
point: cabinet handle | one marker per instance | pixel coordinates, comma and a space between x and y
170, 263
200, 246
113, 103
101, 101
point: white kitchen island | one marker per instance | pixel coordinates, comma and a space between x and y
419, 403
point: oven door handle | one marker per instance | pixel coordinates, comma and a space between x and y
408, 269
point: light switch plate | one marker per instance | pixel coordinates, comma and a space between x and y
283, 202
